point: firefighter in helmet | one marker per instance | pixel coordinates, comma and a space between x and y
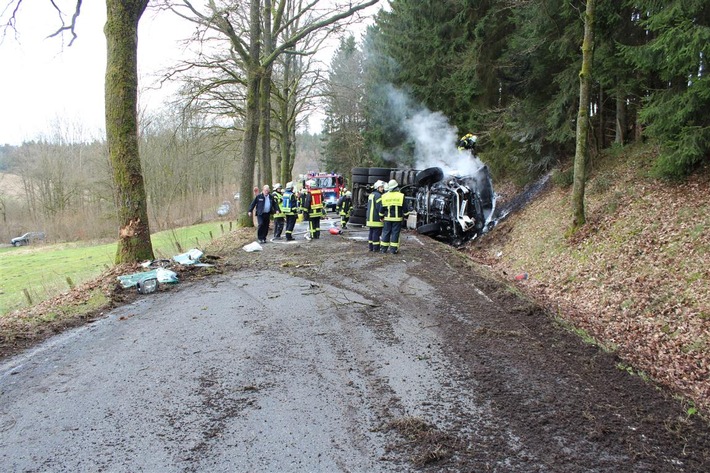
392, 213
289, 207
468, 141
372, 214
345, 209
279, 216
313, 209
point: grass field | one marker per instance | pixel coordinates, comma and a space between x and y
44, 271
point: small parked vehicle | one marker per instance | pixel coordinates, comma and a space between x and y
28, 238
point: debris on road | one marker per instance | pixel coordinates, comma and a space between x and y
253, 246
161, 275
191, 257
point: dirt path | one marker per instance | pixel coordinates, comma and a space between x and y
317, 356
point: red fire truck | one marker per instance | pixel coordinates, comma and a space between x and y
330, 184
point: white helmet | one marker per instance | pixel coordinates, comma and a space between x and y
379, 184
277, 185
348, 194
392, 185
289, 185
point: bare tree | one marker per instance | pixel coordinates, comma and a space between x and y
121, 32
255, 45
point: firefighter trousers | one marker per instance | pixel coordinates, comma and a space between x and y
390, 237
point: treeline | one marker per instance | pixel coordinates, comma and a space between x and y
66, 189
508, 71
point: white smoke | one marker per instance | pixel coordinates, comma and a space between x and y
435, 140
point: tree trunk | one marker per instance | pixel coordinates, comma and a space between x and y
251, 128
265, 96
620, 135
265, 125
580, 157
121, 32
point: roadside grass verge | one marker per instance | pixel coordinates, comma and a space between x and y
36, 273
635, 279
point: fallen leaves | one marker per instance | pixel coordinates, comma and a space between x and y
636, 277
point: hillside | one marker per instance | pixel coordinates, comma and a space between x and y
636, 279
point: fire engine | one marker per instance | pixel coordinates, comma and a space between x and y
332, 185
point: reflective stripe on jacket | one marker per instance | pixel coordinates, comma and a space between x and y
392, 203
288, 203
278, 211
345, 205
316, 200
374, 205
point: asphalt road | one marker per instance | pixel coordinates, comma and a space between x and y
244, 372
321, 357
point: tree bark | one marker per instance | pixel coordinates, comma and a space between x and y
265, 97
621, 124
251, 129
121, 32
581, 152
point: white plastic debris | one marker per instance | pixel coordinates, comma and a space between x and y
165, 275
191, 257
251, 247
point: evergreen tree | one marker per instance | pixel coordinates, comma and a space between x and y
344, 125
676, 113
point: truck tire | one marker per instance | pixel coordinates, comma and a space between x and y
379, 174
429, 176
429, 229
360, 179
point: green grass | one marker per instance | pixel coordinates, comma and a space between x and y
42, 271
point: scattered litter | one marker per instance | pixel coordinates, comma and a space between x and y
156, 263
521, 277
499, 254
161, 275
191, 257
147, 286
254, 246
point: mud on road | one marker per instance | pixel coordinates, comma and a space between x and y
320, 356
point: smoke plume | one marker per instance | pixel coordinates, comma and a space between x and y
434, 139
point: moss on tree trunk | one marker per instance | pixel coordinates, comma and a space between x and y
580, 158
121, 32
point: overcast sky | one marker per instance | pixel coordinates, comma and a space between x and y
46, 85
45, 82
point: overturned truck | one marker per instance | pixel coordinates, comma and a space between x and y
454, 208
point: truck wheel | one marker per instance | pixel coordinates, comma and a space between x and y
429, 228
429, 176
360, 179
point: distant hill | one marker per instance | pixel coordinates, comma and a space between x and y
11, 185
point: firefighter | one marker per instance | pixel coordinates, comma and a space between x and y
313, 210
392, 213
345, 209
374, 221
289, 207
468, 141
279, 216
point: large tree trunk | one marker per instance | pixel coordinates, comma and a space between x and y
265, 125
265, 96
251, 128
580, 157
121, 32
